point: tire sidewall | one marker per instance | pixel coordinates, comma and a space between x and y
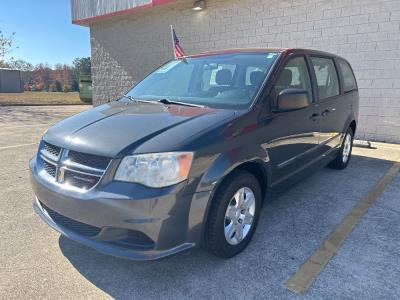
348, 132
243, 180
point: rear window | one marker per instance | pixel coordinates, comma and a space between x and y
349, 81
327, 78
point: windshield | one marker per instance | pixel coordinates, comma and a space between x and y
221, 81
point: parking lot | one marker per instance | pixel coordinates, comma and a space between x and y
36, 262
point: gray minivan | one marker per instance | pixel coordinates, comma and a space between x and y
190, 154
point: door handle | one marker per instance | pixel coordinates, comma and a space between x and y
314, 117
325, 112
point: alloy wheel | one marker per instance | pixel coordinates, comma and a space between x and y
346, 148
239, 216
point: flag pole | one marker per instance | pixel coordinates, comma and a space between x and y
172, 40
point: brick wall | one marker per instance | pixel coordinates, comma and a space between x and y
366, 32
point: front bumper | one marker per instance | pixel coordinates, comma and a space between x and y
122, 219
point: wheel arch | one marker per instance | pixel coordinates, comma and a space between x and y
257, 166
351, 122
353, 126
253, 160
257, 170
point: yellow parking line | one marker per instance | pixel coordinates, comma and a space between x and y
308, 272
384, 145
17, 146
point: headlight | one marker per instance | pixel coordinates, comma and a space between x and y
155, 170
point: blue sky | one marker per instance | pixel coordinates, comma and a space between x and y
44, 32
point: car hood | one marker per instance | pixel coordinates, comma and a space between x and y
118, 128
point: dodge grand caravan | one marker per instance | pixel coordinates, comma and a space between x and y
190, 154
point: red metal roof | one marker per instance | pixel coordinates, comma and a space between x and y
153, 3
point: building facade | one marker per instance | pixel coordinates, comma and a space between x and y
10, 81
129, 38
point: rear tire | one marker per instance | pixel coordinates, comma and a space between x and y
343, 158
233, 215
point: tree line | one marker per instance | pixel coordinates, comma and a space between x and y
57, 78
44, 77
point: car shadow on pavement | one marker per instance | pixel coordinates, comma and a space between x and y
291, 227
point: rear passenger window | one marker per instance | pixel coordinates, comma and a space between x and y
327, 78
349, 82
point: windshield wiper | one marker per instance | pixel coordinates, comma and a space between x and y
163, 101
137, 100
168, 101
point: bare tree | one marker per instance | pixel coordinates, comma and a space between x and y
6, 46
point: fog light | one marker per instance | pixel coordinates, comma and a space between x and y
199, 5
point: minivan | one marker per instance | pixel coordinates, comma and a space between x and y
191, 153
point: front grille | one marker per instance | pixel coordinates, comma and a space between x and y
90, 160
50, 169
82, 181
52, 149
78, 227
72, 168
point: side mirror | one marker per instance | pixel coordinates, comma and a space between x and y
293, 99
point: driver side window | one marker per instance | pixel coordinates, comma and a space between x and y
294, 75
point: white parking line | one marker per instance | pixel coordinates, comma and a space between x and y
17, 146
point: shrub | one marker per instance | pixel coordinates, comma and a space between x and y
66, 88
58, 86
40, 86
75, 86
52, 87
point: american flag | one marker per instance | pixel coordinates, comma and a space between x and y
178, 51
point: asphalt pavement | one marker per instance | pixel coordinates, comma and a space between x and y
36, 262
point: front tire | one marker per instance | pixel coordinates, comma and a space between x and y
342, 159
234, 214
